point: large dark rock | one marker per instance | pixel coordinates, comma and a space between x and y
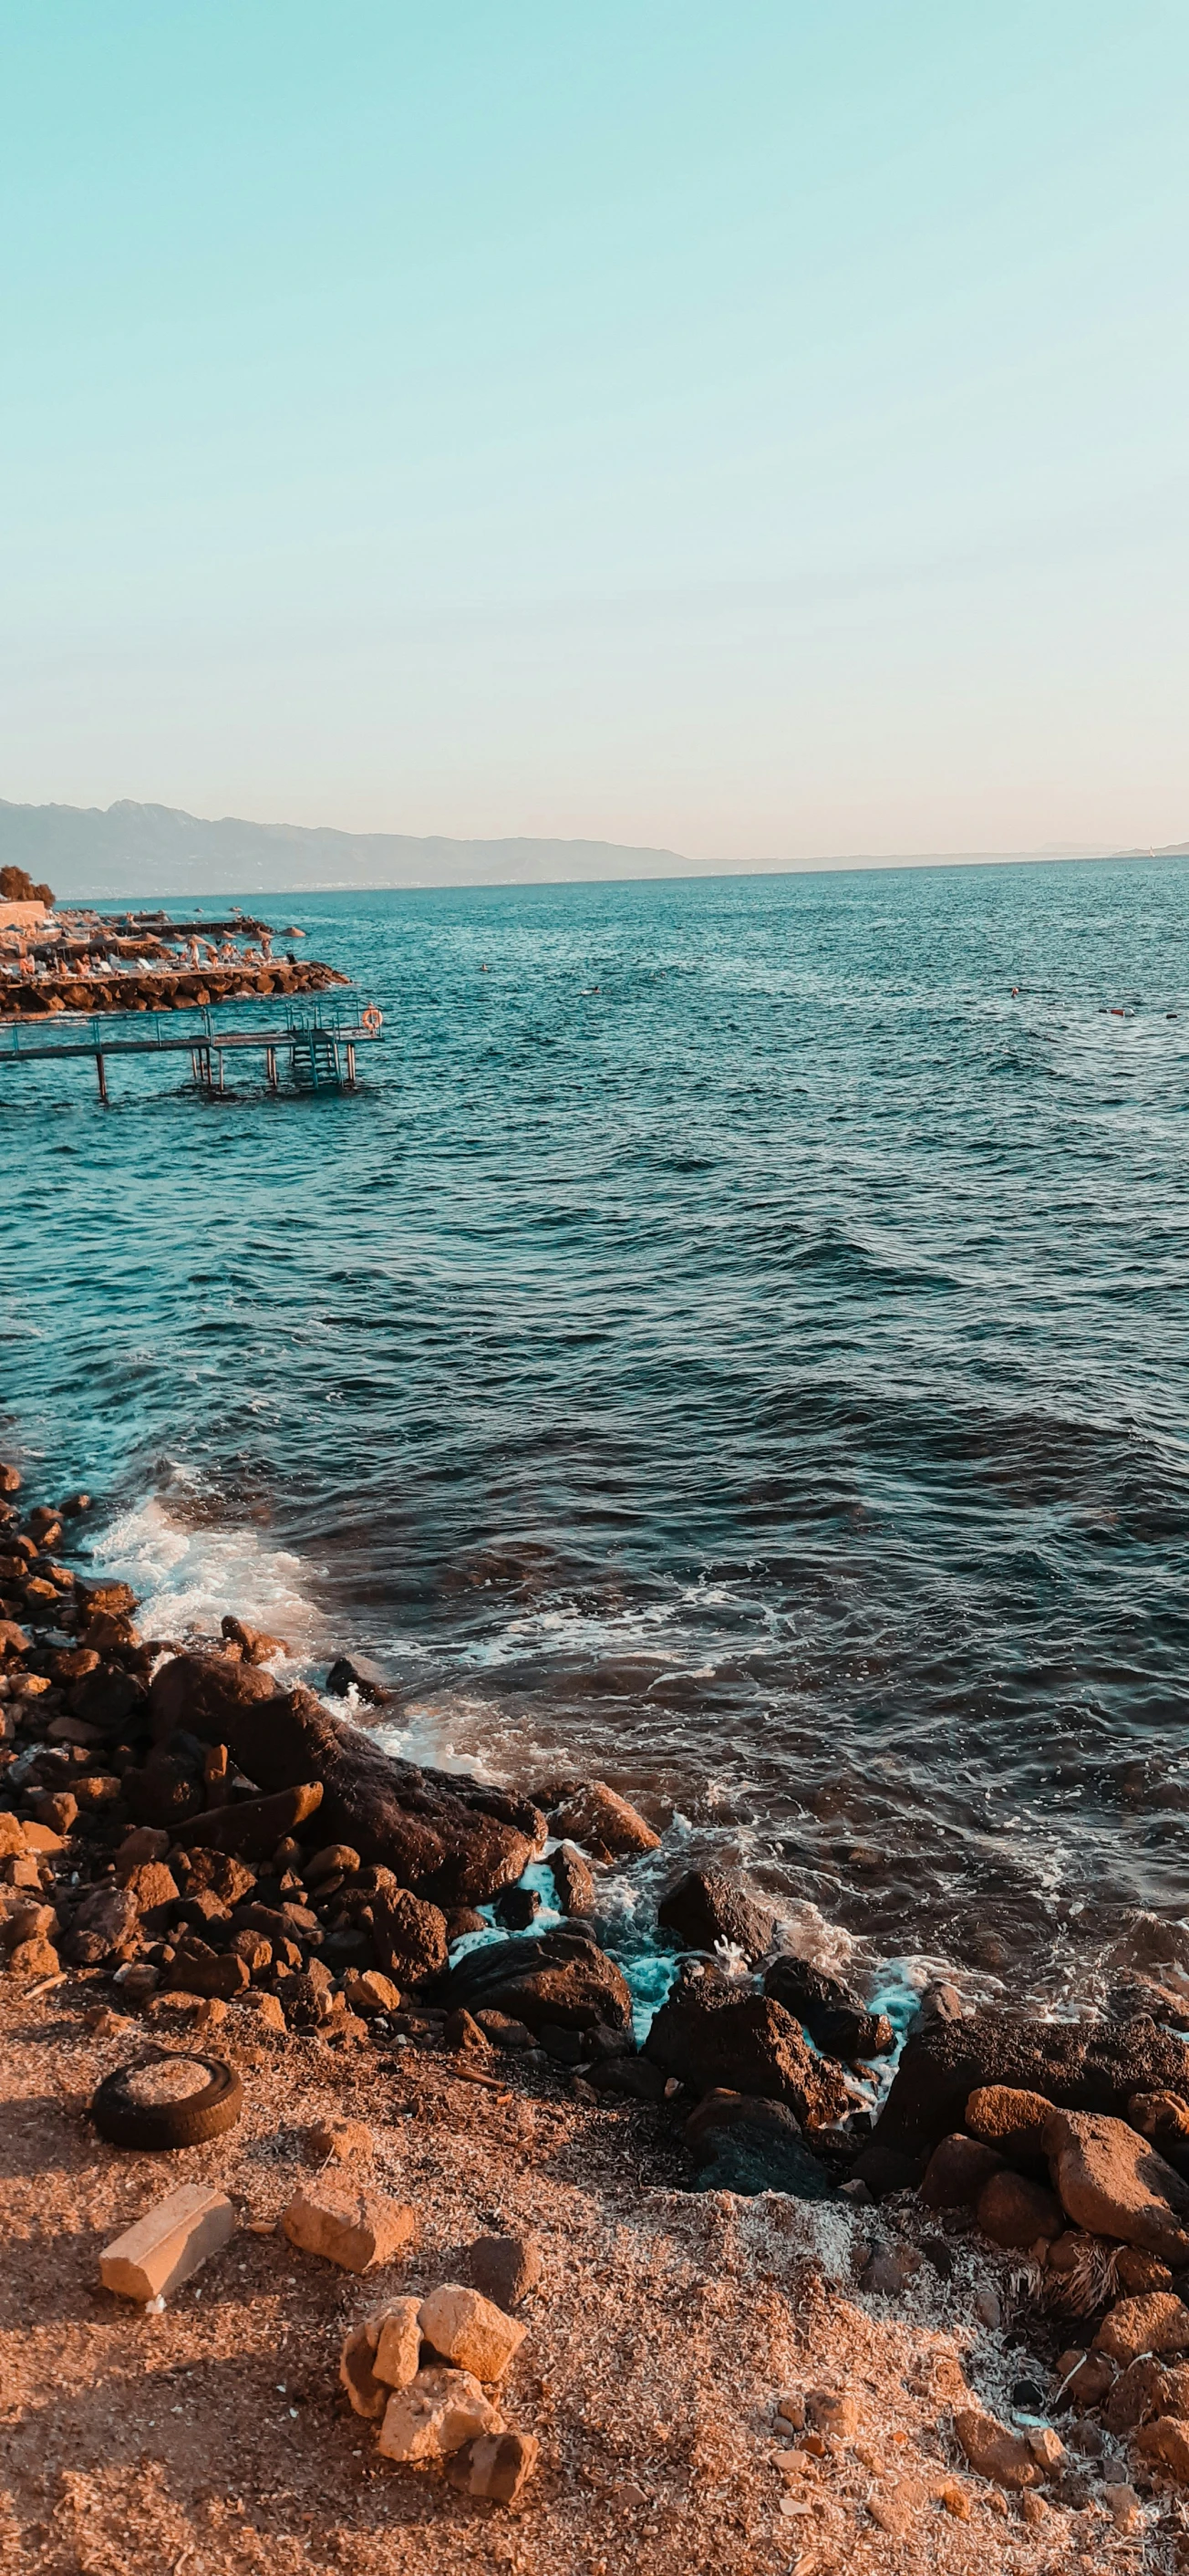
712, 2036
561, 1978
109, 1698
573, 1880
834, 2017
445, 1838
1081, 2066
745, 2144
706, 1908
252, 1827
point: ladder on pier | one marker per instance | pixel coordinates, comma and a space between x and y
315, 1061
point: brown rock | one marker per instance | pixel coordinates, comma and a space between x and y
958, 2172
103, 1922
504, 2268
153, 1886
994, 2452
573, 1880
142, 1844
1166, 2441
562, 1978
409, 1937
338, 2142
94, 1789
369, 2395
706, 1911
335, 1860
1112, 2181
398, 2343
30, 1960
255, 1644
1159, 2115
57, 1809
895, 2507
368, 1992
1136, 2271
603, 1823
505, 2032
165, 2246
42, 1838
435, 2415
252, 1827
1092, 2067
255, 1949
1123, 2506
461, 2031
196, 1969
836, 2019
1085, 2377
497, 2467
1008, 2120
1015, 2212
470, 2331
709, 2035
12, 1840
359, 2230
955, 2498
1139, 2393
264, 2009
832, 2411
1156, 2322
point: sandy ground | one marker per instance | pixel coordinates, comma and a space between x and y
214, 2437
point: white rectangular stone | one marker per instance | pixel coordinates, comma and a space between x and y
168, 2243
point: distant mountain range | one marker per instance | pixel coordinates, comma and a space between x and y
84, 851
128, 849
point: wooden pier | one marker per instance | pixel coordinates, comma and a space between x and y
321, 1051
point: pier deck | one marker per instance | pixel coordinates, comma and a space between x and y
321, 1049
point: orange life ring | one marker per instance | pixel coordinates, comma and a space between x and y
372, 1018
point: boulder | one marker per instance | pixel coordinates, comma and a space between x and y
367, 1991
837, 2021
604, 1823
1081, 2066
497, 2467
504, 2268
252, 1827
1112, 2181
470, 2330
344, 1677
711, 2036
517, 1908
1160, 2116
707, 1911
573, 1880
1010, 2121
435, 2415
409, 1937
562, 1977
255, 1644
1013, 2211
1155, 2322
745, 2144
451, 1840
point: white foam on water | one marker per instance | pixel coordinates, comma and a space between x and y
187, 1578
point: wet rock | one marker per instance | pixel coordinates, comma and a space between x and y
444, 1838
517, 1908
994, 2452
712, 2037
1082, 2066
1155, 2322
409, 1937
1013, 2211
255, 1644
345, 1677
561, 1978
573, 1881
837, 2022
358, 2230
1142, 1995
604, 1823
470, 2331
706, 1911
504, 2268
461, 1919
746, 2144
435, 2415
497, 2467
1011, 2122
251, 1828
104, 1921
1112, 2181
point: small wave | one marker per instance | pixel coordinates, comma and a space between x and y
187, 1578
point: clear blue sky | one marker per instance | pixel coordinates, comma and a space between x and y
758, 429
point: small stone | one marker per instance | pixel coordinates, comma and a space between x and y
1009, 2120
338, 2142
335, 1859
955, 2499
57, 1809
366, 1991
958, 2171
470, 2330
143, 1844
1155, 2322
832, 2413
504, 2268
505, 2032
791, 2408
97, 1788
498, 2466
889, 2268
31, 1960
398, 2343
263, 2009
1047, 2447
1136, 2271
1113, 2182
994, 2452
357, 2230
1015, 2212
1085, 2377
168, 2243
136, 1979
1033, 2509
461, 2031
895, 2508
988, 2307
1140, 2392
435, 2415
1123, 2506
1166, 2440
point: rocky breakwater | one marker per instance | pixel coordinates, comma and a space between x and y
162, 989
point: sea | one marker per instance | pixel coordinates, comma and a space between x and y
735, 1342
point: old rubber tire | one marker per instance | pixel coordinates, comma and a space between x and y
153, 2126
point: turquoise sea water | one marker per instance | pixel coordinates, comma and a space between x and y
732, 1343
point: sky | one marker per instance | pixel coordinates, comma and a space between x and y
754, 430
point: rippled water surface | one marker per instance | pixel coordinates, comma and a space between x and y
730, 1341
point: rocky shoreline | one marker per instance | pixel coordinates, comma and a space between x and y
159, 989
199, 1865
